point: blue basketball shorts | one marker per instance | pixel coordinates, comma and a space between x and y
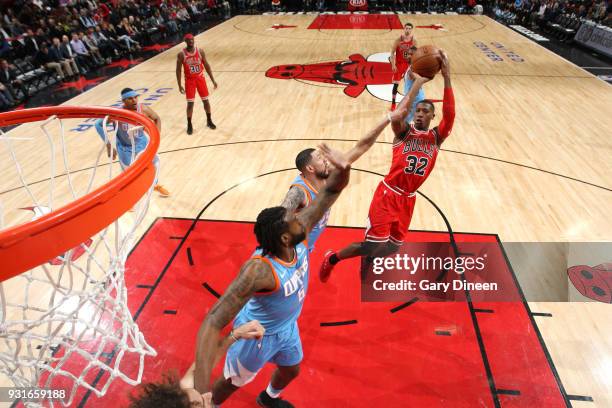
245, 358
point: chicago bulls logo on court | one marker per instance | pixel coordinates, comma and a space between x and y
355, 74
593, 282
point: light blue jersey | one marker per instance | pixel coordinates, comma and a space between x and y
280, 309
311, 194
420, 96
277, 311
125, 149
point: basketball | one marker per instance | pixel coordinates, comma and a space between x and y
426, 61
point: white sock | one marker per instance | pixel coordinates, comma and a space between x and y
273, 392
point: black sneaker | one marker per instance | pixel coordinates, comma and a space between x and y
211, 125
264, 400
189, 129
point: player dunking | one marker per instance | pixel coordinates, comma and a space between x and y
129, 145
271, 288
193, 62
400, 58
415, 149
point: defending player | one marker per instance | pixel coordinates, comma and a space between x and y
193, 62
400, 58
124, 147
271, 288
314, 171
415, 149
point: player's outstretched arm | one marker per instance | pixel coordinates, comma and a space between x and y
255, 276
366, 142
179, 71
448, 104
336, 182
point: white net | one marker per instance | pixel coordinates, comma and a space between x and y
65, 325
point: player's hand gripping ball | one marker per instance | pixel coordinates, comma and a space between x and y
426, 61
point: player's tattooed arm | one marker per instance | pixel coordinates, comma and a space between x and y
254, 276
294, 199
179, 72
336, 182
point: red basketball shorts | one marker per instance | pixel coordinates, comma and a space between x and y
389, 216
199, 83
401, 68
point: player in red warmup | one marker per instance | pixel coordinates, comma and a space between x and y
400, 57
193, 62
415, 148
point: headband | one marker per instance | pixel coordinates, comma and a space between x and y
129, 94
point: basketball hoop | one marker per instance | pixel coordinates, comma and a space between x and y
63, 301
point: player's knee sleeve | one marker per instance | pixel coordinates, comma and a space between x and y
395, 86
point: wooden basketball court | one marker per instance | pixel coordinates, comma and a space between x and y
528, 161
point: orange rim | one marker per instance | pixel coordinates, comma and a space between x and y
27, 245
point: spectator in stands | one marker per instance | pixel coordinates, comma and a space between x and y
158, 20
108, 30
49, 61
83, 53
6, 99
196, 13
183, 16
608, 20
17, 29
169, 21
212, 6
86, 20
5, 39
123, 34
97, 39
227, 10
70, 55
7, 17
33, 41
8, 77
93, 49
69, 65
134, 26
53, 29
601, 10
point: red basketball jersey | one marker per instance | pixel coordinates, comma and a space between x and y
193, 64
402, 51
414, 157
